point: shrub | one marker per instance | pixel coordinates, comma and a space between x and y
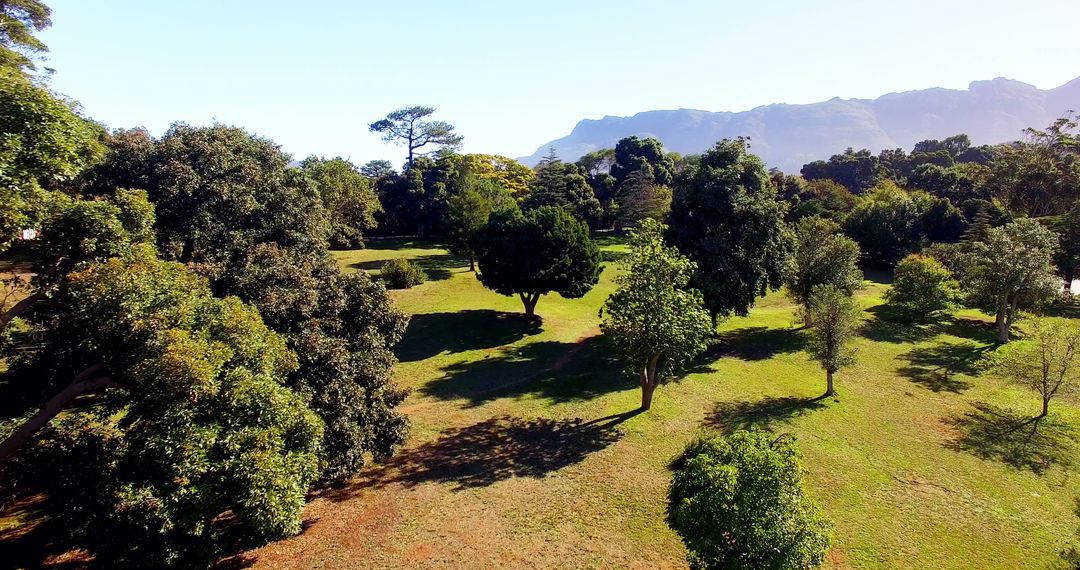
400, 273
922, 286
738, 502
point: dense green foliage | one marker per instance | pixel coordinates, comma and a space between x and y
563, 184
535, 253
922, 286
348, 197
835, 318
656, 325
822, 257
1011, 269
400, 273
19, 19
195, 418
726, 218
738, 503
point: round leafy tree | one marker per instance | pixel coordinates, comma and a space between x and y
738, 502
822, 257
654, 322
726, 218
922, 286
535, 253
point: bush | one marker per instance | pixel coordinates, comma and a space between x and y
738, 502
400, 273
922, 286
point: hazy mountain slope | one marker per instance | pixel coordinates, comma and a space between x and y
788, 136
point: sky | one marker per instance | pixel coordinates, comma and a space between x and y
512, 76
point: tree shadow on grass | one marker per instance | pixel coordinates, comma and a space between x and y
494, 450
558, 371
42, 540
756, 343
890, 324
766, 413
1019, 441
437, 267
430, 334
936, 367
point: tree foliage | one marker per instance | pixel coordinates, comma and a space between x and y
348, 197
922, 286
409, 128
535, 253
19, 19
1046, 362
655, 323
563, 184
1012, 269
738, 503
191, 417
1039, 175
836, 317
822, 257
725, 217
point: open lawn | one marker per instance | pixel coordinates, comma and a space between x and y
525, 450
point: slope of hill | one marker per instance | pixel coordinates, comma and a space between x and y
788, 136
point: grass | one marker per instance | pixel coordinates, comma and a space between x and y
525, 449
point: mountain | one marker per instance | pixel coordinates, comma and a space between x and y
788, 136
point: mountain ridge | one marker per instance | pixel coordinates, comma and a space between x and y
788, 135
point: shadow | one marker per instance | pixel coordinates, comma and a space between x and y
41, 540
1018, 441
437, 267
494, 450
429, 334
756, 343
557, 371
1062, 310
730, 417
380, 243
935, 367
890, 324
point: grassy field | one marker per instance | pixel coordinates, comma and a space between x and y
525, 450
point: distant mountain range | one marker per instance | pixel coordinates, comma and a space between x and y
788, 136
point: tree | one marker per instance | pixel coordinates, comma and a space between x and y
640, 197
726, 218
535, 253
889, 223
1067, 258
563, 184
1047, 361
45, 144
348, 197
19, 19
184, 395
469, 210
1039, 175
1011, 269
738, 502
407, 127
922, 286
857, 170
822, 257
230, 205
642, 155
376, 170
655, 323
836, 317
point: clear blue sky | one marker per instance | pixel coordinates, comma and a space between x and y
312, 75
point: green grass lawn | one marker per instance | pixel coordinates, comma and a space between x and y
523, 453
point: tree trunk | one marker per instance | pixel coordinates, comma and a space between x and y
1002, 325
529, 300
85, 383
19, 308
1045, 408
715, 316
472, 264
649, 382
829, 390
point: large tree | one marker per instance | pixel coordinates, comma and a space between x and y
535, 253
409, 128
563, 184
822, 257
19, 19
1011, 269
646, 156
348, 196
1039, 175
725, 217
230, 205
183, 407
655, 323
469, 210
